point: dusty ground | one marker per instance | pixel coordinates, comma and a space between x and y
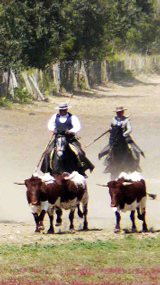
24, 136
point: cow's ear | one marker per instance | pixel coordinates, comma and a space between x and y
26, 182
28, 197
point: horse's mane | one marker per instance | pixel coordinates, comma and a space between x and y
116, 137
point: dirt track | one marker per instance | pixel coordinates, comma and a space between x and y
24, 136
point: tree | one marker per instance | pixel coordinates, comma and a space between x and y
34, 33
84, 36
132, 26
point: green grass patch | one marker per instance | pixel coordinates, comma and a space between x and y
100, 262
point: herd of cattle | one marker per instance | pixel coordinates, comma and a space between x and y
48, 194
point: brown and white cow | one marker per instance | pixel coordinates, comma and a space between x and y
47, 196
128, 195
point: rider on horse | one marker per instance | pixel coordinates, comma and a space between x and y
121, 123
68, 124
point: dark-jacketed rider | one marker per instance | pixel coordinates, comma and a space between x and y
120, 120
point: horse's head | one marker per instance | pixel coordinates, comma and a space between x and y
61, 144
62, 159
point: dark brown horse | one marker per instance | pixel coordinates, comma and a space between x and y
60, 157
121, 154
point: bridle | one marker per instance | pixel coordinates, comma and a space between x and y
60, 145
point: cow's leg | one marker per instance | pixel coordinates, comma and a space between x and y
132, 217
59, 217
144, 226
118, 218
71, 218
51, 218
142, 217
36, 218
41, 219
85, 222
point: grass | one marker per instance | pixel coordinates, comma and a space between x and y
117, 261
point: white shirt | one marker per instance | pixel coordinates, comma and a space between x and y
74, 119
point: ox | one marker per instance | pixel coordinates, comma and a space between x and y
67, 193
128, 195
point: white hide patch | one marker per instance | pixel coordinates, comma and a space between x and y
133, 206
37, 209
72, 204
47, 177
134, 176
77, 178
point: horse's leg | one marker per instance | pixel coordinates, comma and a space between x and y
114, 174
85, 213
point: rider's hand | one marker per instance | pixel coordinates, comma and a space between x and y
68, 132
55, 132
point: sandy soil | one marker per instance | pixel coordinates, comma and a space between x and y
24, 136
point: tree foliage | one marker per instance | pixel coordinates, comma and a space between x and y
34, 33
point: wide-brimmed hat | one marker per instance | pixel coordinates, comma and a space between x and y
120, 109
63, 106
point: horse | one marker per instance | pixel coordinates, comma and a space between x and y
122, 156
60, 157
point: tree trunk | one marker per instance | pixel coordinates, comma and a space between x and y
36, 89
27, 83
57, 77
84, 73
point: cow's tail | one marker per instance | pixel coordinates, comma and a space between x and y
152, 196
80, 213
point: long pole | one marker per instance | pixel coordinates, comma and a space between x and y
97, 138
44, 152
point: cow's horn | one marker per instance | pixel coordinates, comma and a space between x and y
103, 185
19, 183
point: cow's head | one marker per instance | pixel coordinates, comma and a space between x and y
115, 192
33, 185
